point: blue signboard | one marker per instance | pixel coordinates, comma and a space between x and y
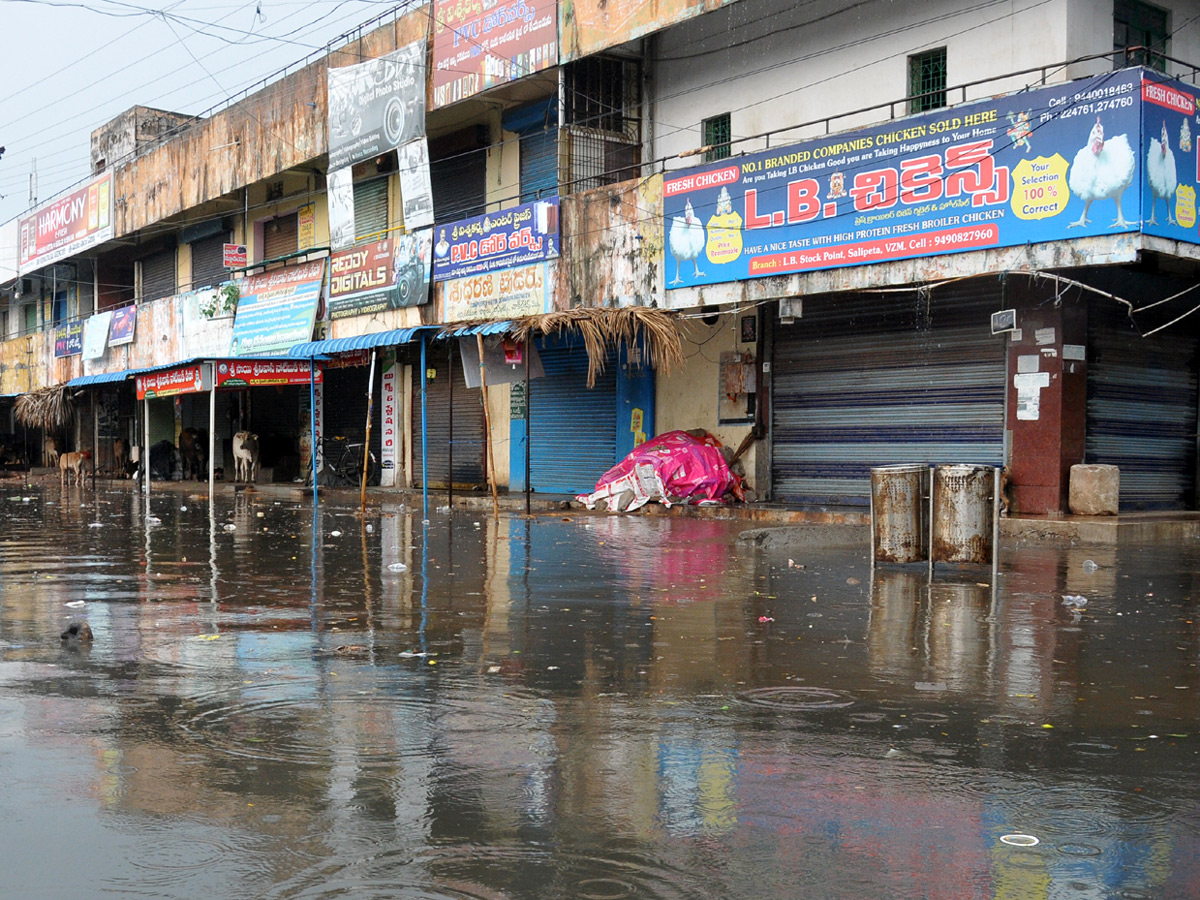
512, 237
277, 309
1052, 164
1172, 158
68, 339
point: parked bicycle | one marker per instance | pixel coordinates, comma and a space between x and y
344, 463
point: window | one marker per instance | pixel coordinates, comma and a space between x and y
603, 108
927, 80
1142, 26
30, 318
716, 134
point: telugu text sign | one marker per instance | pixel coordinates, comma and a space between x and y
239, 373
1020, 169
277, 309
171, 382
512, 237
508, 293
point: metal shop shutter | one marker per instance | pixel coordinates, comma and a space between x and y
539, 164
158, 275
873, 381
371, 208
208, 261
1141, 409
467, 427
281, 236
459, 185
572, 430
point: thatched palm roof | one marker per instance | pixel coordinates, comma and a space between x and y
50, 409
605, 329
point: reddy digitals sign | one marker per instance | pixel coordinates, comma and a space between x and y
1092, 157
67, 225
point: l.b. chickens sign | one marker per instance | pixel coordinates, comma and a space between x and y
1080, 159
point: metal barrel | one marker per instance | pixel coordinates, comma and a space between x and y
898, 518
962, 514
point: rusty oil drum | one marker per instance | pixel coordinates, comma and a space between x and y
898, 513
962, 513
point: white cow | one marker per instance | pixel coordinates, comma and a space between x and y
245, 456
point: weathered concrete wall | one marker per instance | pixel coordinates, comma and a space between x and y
117, 142
24, 363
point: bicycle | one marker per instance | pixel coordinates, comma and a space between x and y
344, 463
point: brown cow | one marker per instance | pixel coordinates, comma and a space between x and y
120, 456
193, 453
51, 452
74, 462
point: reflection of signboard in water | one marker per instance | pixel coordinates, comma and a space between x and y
240, 373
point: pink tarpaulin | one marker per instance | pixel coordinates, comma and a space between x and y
675, 467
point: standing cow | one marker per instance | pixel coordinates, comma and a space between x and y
51, 452
193, 453
245, 456
120, 457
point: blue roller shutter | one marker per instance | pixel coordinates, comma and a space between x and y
537, 125
573, 430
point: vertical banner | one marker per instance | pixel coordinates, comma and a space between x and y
415, 187
340, 184
389, 418
319, 423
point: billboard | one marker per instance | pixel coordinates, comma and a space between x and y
68, 339
121, 328
385, 275
1172, 158
377, 105
509, 293
1044, 165
237, 373
277, 309
67, 225
589, 26
478, 45
512, 237
191, 379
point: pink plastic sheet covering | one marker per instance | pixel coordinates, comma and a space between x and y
675, 467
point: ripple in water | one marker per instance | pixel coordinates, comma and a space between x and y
798, 698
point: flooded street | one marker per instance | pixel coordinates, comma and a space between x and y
282, 705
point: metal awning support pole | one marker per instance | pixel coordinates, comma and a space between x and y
312, 424
424, 434
145, 460
95, 439
450, 418
528, 418
362, 497
487, 428
212, 433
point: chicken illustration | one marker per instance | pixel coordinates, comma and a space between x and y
687, 241
1160, 172
1101, 169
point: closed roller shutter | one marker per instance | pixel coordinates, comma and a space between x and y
459, 185
873, 381
371, 208
281, 237
539, 164
466, 430
572, 430
158, 275
208, 261
1141, 409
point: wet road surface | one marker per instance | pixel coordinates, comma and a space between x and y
277, 705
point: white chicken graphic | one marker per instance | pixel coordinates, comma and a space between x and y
1101, 169
687, 241
1160, 172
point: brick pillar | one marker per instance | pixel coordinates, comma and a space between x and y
1047, 396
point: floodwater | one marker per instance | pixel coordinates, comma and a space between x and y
281, 706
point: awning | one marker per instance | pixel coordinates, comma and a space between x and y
485, 329
359, 342
103, 378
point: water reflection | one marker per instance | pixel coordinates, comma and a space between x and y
317, 704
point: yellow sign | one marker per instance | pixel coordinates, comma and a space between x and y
635, 421
1040, 187
306, 220
1185, 205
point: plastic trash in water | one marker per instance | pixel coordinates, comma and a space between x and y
1089, 566
153, 520
370, 529
397, 567
335, 534
230, 527
1020, 840
1074, 601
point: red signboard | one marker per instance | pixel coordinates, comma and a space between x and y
169, 382
234, 256
238, 373
66, 225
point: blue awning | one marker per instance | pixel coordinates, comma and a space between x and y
102, 378
485, 329
358, 342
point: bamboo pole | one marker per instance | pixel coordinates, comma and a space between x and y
487, 429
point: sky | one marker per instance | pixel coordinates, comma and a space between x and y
73, 65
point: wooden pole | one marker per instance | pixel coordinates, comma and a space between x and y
487, 429
367, 440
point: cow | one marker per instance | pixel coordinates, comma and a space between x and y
245, 456
193, 451
162, 461
120, 457
74, 463
51, 452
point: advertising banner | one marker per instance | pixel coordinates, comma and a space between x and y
1043, 165
120, 330
589, 26
1172, 158
95, 334
389, 409
416, 190
207, 323
170, 382
340, 194
478, 45
512, 237
68, 339
377, 105
66, 225
240, 373
277, 309
385, 275
508, 293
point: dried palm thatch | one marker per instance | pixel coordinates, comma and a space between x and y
605, 329
50, 409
